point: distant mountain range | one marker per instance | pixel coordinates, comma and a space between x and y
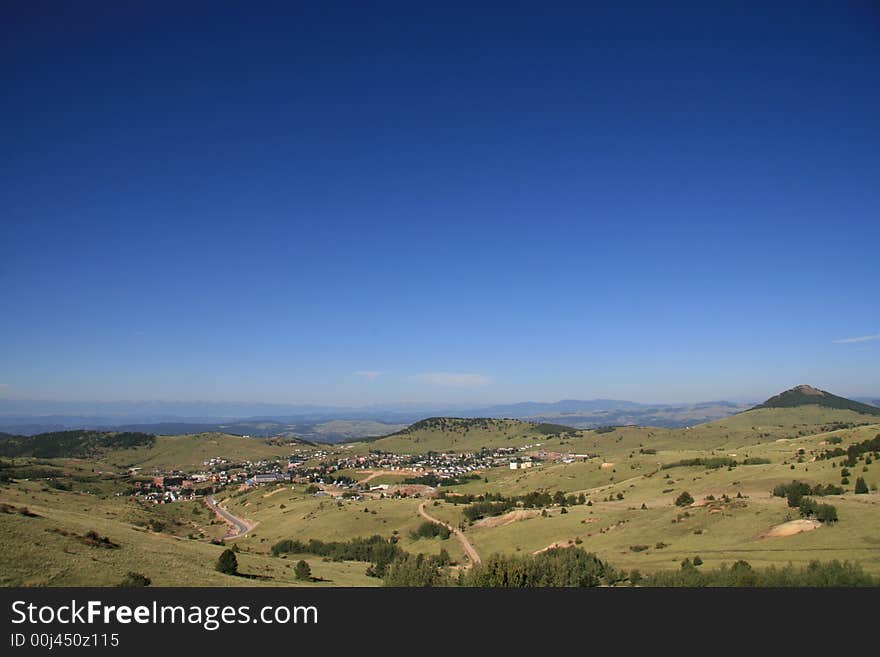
564, 407
332, 424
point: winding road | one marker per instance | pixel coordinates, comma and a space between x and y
238, 527
465, 543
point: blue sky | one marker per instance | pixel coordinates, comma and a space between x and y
380, 202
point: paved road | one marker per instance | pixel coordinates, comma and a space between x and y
465, 543
242, 527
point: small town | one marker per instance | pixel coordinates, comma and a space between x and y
322, 468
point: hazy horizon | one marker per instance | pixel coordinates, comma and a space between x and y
123, 407
757, 393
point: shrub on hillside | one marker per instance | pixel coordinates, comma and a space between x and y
685, 499
302, 570
712, 463
133, 579
822, 512
93, 539
227, 563
429, 530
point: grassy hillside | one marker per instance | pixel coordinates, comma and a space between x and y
346, 430
50, 548
291, 513
78, 443
769, 424
126, 449
635, 467
189, 451
804, 395
749, 427
627, 515
460, 434
660, 535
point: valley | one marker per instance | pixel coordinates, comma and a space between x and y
461, 492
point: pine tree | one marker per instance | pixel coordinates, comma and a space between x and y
228, 563
302, 570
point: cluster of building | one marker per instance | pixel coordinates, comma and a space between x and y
216, 473
443, 465
324, 467
562, 457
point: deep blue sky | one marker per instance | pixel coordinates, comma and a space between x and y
377, 202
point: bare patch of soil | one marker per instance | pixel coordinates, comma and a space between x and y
791, 528
507, 518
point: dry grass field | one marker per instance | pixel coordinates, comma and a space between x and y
628, 518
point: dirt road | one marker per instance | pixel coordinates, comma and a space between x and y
237, 526
465, 543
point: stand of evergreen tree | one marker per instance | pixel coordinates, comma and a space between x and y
794, 491
558, 567
741, 574
574, 567
375, 549
417, 570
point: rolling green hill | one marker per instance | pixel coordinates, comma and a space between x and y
145, 450
79, 443
48, 545
190, 451
437, 434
